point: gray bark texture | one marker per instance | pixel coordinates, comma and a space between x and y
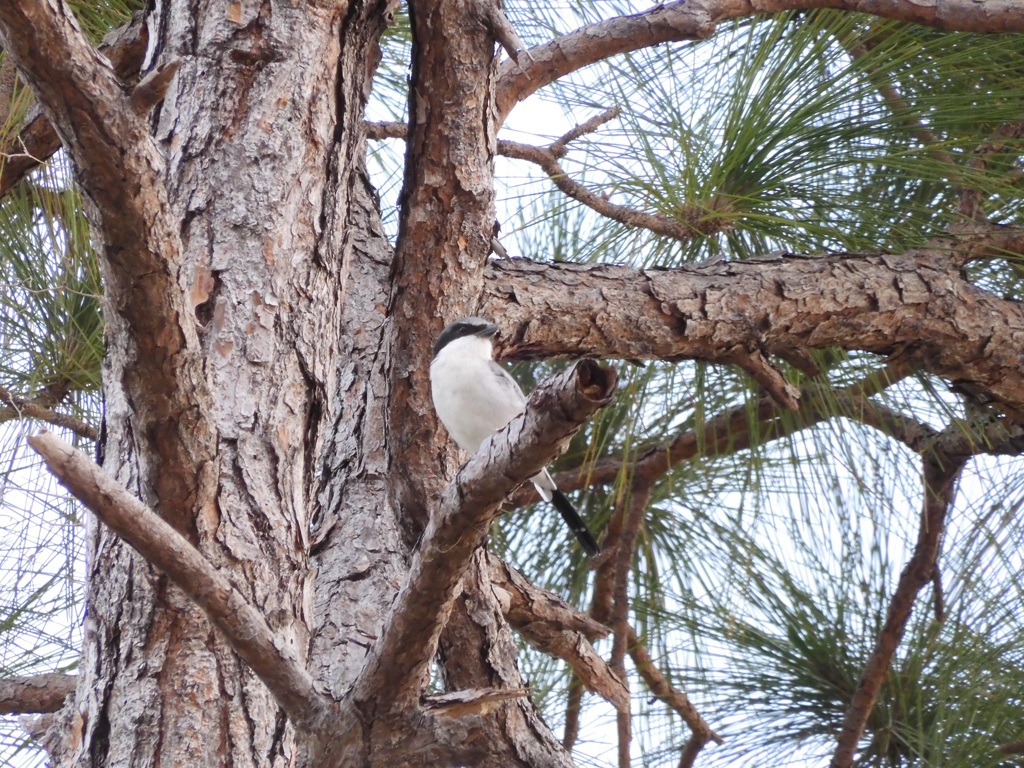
266, 378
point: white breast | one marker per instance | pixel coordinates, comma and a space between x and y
471, 396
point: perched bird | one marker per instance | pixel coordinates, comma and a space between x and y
475, 397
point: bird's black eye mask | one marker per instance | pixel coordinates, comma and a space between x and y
465, 326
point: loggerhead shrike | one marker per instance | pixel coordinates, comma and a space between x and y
475, 397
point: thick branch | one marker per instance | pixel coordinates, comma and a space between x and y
398, 668
38, 693
915, 307
981, 434
940, 476
85, 102
120, 169
445, 228
37, 141
525, 604
244, 627
501, 29
696, 19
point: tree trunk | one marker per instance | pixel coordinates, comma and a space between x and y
305, 470
286, 268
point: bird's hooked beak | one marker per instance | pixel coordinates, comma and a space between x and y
488, 331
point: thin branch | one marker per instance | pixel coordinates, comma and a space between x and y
696, 20
590, 669
386, 130
559, 147
668, 693
689, 225
691, 222
21, 407
37, 693
244, 627
636, 504
398, 666
603, 598
573, 708
733, 430
971, 198
961, 15
940, 476
901, 107
991, 434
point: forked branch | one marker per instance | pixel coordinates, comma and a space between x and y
689, 223
399, 665
685, 227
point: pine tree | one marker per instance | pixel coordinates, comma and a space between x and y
791, 235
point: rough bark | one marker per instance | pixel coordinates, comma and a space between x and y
36, 140
259, 181
916, 308
266, 387
38, 693
162, 546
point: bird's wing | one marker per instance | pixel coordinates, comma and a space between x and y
508, 385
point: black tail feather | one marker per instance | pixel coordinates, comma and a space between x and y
575, 522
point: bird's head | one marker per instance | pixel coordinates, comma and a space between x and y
465, 327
